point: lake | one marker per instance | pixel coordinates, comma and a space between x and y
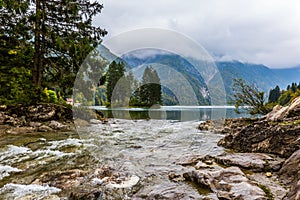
180, 113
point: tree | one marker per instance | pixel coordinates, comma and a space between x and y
150, 90
274, 94
246, 95
115, 72
59, 34
294, 87
64, 35
16, 53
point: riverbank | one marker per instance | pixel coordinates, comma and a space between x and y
274, 138
153, 159
20, 119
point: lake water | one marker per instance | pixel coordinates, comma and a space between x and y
180, 113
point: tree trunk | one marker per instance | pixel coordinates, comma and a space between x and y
37, 71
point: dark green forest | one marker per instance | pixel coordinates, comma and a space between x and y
42, 45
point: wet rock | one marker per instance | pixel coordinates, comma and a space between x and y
270, 185
86, 194
175, 177
229, 183
13, 121
290, 175
188, 160
276, 133
280, 138
172, 191
35, 124
44, 128
19, 130
57, 125
256, 162
201, 165
294, 194
95, 121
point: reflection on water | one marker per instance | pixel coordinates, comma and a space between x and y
180, 113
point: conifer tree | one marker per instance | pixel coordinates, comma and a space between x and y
150, 91
115, 72
274, 94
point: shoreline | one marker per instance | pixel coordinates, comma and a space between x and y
269, 169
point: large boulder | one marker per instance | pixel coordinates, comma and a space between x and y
280, 138
226, 183
280, 113
290, 175
256, 162
276, 133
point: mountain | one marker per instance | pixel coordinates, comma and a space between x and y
260, 75
289, 75
175, 72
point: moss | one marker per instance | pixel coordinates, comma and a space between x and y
290, 123
267, 191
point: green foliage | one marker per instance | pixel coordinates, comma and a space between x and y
284, 97
150, 90
123, 89
250, 96
274, 94
64, 36
42, 45
49, 96
114, 74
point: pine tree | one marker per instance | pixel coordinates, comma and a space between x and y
274, 94
150, 90
115, 72
64, 35
16, 52
294, 87
60, 33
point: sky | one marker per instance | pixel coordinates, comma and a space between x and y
256, 31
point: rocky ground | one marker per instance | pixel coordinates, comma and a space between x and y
38, 118
20, 119
262, 160
269, 145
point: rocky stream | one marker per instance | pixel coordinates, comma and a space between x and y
44, 158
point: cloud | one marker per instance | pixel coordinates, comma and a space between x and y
255, 31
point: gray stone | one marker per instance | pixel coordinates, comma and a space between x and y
95, 121
290, 175
269, 183
229, 183
56, 125
294, 194
171, 191
290, 172
257, 162
279, 113
35, 124
44, 128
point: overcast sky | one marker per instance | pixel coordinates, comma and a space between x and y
257, 31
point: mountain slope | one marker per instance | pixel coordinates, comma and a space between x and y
173, 69
259, 75
288, 75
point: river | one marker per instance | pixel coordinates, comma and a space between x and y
145, 150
